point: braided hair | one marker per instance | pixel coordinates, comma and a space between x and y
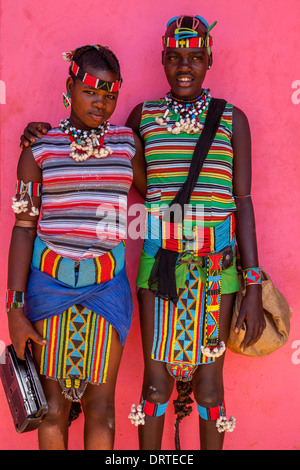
99, 57
181, 408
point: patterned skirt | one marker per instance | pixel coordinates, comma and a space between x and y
186, 332
77, 350
80, 303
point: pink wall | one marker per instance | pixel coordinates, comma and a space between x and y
256, 66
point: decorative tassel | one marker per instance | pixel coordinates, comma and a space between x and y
19, 206
137, 416
68, 56
214, 351
223, 424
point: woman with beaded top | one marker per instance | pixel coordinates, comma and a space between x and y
187, 276
68, 292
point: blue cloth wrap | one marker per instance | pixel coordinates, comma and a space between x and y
46, 297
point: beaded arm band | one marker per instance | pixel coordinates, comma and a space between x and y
14, 299
25, 191
252, 276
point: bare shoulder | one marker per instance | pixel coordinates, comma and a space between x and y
134, 118
239, 121
28, 169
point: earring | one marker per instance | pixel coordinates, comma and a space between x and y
66, 100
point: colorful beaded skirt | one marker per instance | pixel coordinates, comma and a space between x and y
77, 350
186, 333
79, 339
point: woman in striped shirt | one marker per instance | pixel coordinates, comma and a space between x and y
70, 265
188, 264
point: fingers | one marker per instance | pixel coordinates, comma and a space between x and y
240, 322
253, 334
37, 338
254, 326
32, 131
20, 345
20, 350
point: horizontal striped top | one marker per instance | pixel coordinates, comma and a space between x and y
168, 159
84, 204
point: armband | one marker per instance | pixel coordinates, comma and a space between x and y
14, 299
241, 197
25, 191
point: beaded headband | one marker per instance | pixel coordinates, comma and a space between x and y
93, 81
89, 79
189, 37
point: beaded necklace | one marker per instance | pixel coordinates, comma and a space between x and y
86, 144
187, 113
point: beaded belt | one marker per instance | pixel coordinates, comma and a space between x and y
78, 273
205, 240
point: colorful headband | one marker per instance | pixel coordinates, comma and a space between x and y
89, 79
187, 42
189, 37
94, 82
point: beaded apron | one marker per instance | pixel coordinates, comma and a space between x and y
77, 351
187, 334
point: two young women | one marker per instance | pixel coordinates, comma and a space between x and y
186, 282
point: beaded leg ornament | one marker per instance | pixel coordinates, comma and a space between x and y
187, 113
86, 144
217, 414
137, 414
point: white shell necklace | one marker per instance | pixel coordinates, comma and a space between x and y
86, 144
187, 113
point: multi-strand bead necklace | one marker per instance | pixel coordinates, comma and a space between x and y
86, 144
187, 113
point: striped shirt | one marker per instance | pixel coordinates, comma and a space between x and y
168, 158
84, 204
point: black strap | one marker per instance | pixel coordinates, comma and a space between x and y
211, 125
162, 280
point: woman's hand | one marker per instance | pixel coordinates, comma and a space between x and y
252, 314
21, 330
33, 130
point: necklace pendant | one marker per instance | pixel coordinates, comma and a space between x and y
187, 113
86, 144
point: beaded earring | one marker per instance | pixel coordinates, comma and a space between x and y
66, 100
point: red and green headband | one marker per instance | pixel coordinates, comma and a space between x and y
88, 79
189, 37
